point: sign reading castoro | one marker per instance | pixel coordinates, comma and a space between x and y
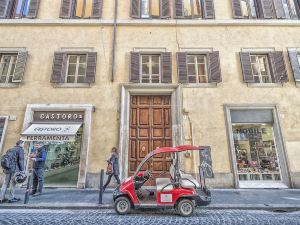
58, 116
51, 132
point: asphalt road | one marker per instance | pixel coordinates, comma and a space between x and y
107, 216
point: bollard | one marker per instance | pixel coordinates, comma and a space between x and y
28, 188
101, 186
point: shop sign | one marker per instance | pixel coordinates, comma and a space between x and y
49, 138
58, 116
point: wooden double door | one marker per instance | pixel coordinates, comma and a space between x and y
150, 127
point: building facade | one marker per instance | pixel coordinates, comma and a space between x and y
143, 74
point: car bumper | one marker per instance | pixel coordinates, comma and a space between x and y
117, 193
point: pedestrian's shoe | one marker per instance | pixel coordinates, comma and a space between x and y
37, 194
14, 200
32, 192
3, 201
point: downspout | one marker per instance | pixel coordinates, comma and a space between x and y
114, 42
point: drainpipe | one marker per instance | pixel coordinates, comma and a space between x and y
114, 42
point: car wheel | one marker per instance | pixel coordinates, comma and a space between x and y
185, 207
122, 205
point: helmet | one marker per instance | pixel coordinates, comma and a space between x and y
20, 177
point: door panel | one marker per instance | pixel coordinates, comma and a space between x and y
150, 127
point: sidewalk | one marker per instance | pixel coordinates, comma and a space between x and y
68, 198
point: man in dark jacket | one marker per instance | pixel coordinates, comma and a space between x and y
39, 160
18, 153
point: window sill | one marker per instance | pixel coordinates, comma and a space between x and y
204, 85
64, 85
265, 85
9, 85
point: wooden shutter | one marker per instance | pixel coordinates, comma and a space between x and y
214, 68
182, 67
279, 9
166, 67
135, 67
237, 9
59, 67
135, 10
246, 67
297, 5
278, 66
265, 9
33, 9
91, 67
97, 9
165, 9
208, 9
178, 5
5, 8
293, 55
20, 66
66, 9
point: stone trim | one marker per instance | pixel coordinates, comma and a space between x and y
71, 85
265, 85
88, 109
9, 85
202, 85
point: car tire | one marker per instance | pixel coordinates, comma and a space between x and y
185, 207
122, 205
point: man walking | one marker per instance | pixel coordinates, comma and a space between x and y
12, 162
39, 159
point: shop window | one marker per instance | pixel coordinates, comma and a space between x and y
150, 9
76, 68
256, 153
150, 69
81, 9
197, 69
267, 9
16, 9
190, 9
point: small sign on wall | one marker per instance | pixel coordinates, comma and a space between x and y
206, 162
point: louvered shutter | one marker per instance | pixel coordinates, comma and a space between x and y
179, 8
165, 9
246, 67
135, 9
265, 9
279, 9
237, 9
208, 9
33, 9
135, 67
166, 67
97, 9
297, 5
214, 68
91, 67
20, 67
66, 9
182, 67
278, 66
293, 55
59, 67
5, 8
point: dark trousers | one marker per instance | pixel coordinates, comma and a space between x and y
109, 178
38, 179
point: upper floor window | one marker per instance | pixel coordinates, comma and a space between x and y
194, 9
263, 67
12, 67
15, 9
150, 9
74, 68
151, 68
265, 9
3, 127
199, 68
81, 9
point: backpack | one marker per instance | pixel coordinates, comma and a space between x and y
8, 160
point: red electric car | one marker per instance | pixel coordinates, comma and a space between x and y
174, 190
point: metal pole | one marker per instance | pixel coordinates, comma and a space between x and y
28, 188
101, 186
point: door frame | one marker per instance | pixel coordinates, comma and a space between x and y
127, 90
280, 145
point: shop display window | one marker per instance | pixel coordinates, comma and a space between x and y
256, 154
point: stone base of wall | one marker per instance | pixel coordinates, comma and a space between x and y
295, 180
93, 181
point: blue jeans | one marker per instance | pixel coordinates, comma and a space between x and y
38, 179
8, 181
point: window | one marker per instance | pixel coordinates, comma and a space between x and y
81, 9
190, 9
150, 69
154, 9
16, 9
3, 124
7, 67
260, 69
196, 69
76, 69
